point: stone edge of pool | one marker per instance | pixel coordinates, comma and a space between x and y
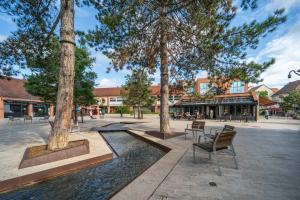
144, 186
150, 141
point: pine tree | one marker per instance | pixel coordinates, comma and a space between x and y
36, 22
179, 38
136, 92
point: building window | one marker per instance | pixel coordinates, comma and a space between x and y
176, 97
112, 99
204, 87
119, 99
237, 87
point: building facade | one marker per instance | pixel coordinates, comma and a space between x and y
17, 102
235, 103
109, 99
264, 88
283, 92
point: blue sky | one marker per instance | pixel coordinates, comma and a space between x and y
283, 44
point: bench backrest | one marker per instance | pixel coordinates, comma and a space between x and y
224, 139
228, 128
198, 124
27, 117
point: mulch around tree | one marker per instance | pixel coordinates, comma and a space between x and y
162, 136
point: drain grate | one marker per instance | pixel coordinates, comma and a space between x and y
212, 184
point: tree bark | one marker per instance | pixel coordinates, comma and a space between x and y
139, 111
59, 135
164, 86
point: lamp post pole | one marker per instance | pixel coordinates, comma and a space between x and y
296, 72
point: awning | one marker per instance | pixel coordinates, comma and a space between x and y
266, 102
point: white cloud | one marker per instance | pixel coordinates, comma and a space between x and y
109, 82
286, 4
202, 74
286, 51
101, 59
81, 12
6, 18
2, 37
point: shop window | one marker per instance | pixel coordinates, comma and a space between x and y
237, 87
204, 87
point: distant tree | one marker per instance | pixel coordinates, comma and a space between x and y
180, 38
292, 101
43, 81
136, 91
263, 94
123, 110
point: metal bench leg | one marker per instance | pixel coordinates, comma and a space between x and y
217, 161
185, 135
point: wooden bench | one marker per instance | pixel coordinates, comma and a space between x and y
11, 120
195, 127
222, 141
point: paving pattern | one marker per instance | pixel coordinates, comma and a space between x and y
268, 153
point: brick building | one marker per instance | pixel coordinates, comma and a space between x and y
16, 101
236, 102
109, 99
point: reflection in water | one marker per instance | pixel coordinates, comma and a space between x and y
101, 181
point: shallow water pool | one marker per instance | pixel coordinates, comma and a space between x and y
133, 156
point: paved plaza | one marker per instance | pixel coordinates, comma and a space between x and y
268, 153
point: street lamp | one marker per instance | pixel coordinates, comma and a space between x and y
296, 72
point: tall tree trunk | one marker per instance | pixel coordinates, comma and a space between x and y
139, 111
60, 133
133, 112
164, 82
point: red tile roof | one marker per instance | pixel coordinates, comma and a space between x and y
155, 89
14, 88
295, 85
275, 90
116, 91
104, 92
266, 102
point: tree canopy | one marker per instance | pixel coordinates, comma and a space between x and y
263, 94
200, 35
136, 90
43, 81
292, 101
180, 37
